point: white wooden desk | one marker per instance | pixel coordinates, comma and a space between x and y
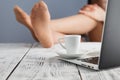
32, 62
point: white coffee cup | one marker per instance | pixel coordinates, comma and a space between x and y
72, 43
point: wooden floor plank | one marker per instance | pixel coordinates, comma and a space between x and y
10, 55
41, 64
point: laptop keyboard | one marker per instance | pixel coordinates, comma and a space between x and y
93, 60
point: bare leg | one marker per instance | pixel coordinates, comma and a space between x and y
96, 34
77, 24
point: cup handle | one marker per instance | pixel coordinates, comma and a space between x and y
59, 40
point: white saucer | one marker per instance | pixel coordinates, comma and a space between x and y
94, 53
64, 54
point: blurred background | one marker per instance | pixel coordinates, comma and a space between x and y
13, 32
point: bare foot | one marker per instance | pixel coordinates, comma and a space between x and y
24, 19
40, 19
